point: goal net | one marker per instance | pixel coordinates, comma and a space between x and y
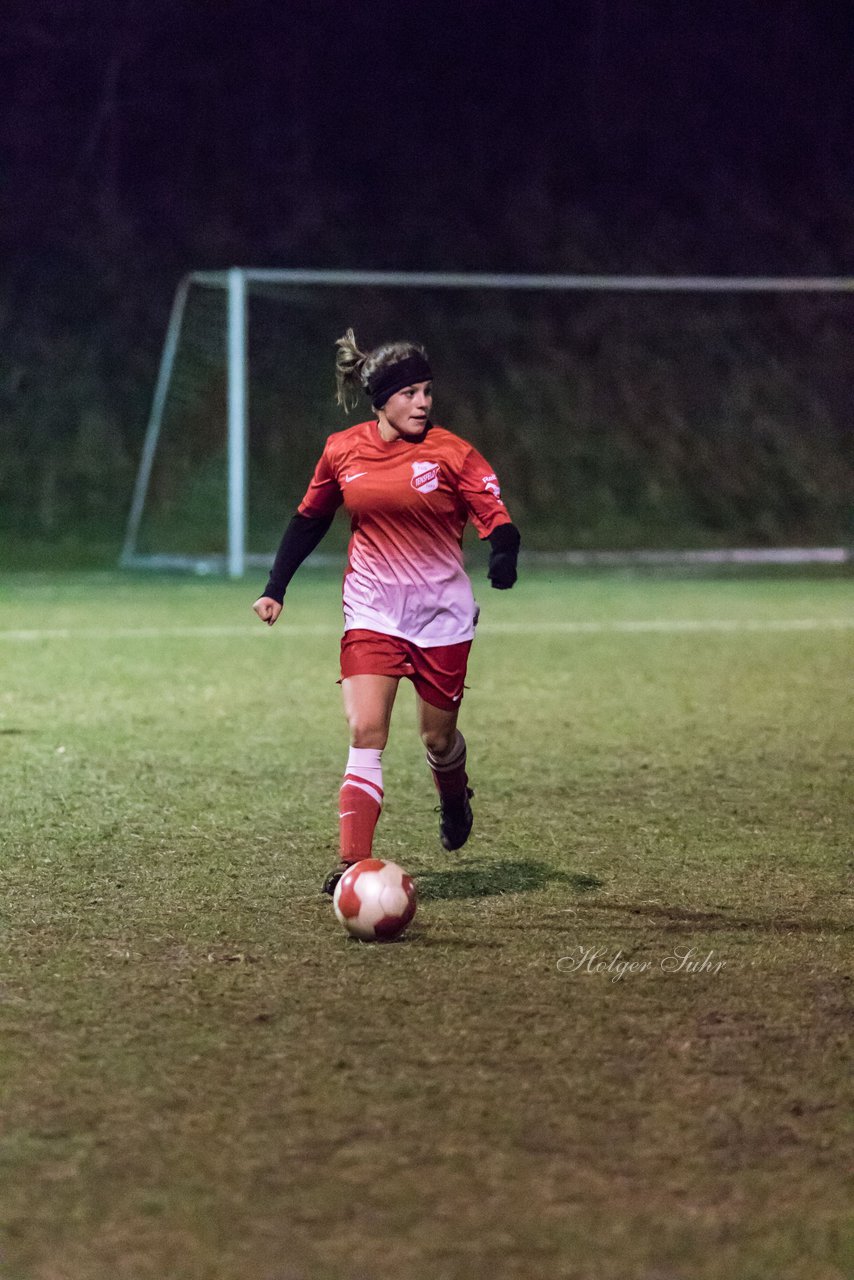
623, 415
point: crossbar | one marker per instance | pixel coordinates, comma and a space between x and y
488, 280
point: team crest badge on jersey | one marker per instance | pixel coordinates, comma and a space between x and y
425, 476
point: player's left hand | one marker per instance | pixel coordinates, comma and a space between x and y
505, 542
502, 571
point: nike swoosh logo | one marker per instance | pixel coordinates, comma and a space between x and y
354, 476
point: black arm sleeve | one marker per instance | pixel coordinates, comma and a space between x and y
505, 541
298, 541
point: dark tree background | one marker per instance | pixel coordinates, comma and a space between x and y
144, 138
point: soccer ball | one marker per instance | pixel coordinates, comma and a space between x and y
374, 900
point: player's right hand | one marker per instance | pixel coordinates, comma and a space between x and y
267, 609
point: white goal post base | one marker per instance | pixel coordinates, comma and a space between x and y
205, 566
236, 282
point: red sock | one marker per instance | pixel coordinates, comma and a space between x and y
449, 770
360, 803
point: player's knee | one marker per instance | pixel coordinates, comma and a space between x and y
368, 734
438, 741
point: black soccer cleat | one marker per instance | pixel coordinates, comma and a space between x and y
455, 820
330, 884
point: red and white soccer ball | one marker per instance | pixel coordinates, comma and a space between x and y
374, 900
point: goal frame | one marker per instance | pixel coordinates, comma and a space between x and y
236, 281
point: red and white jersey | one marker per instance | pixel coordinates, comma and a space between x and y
408, 503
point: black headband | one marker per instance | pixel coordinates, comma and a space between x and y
389, 378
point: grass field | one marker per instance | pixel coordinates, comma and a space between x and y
203, 1078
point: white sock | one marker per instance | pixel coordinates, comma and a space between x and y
366, 763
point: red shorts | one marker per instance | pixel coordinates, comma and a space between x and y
437, 673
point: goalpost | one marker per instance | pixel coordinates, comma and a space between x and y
236, 284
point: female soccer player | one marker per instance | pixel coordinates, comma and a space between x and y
409, 487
